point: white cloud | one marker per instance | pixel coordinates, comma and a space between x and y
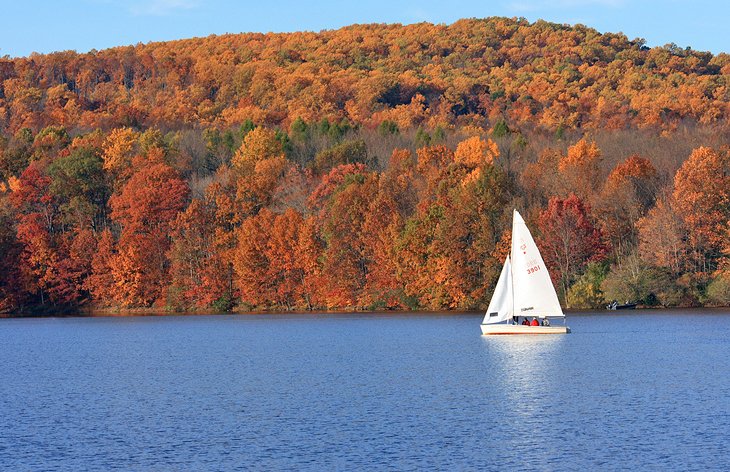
417, 15
537, 5
161, 7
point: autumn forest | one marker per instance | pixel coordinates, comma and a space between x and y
373, 167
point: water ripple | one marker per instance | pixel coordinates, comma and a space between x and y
643, 392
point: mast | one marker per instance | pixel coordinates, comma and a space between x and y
512, 258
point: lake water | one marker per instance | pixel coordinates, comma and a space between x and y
643, 391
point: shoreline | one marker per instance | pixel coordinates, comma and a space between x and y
155, 312
152, 312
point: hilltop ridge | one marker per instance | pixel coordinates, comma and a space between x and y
473, 71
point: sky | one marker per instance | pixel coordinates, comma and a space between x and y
45, 26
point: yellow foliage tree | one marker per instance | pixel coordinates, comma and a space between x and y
476, 152
118, 149
259, 144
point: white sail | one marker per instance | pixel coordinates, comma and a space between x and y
534, 294
500, 307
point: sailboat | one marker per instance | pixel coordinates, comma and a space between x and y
524, 290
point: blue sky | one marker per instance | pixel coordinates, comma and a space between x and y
46, 26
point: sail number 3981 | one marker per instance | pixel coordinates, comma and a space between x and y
533, 269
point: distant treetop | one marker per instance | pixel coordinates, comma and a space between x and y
473, 72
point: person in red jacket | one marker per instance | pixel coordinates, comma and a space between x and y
534, 322
525, 322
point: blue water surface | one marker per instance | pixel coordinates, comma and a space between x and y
641, 391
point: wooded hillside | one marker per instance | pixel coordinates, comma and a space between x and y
375, 166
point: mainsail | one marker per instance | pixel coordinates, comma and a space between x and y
524, 287
500, 307
534, 294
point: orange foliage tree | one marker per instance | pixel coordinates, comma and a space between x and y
701, 198
580, 167
663, 238
626, 196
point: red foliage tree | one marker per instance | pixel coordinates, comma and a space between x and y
101, 282
310, 247
285, 269
191, 255
344, 258
568, 239
146, 208
251, 261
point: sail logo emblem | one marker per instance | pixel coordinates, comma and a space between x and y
527, 309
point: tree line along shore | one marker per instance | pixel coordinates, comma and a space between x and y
373, 167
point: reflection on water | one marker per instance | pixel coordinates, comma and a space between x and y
526, 373
524, 368
640, 391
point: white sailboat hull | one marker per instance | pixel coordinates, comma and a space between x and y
501, 328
